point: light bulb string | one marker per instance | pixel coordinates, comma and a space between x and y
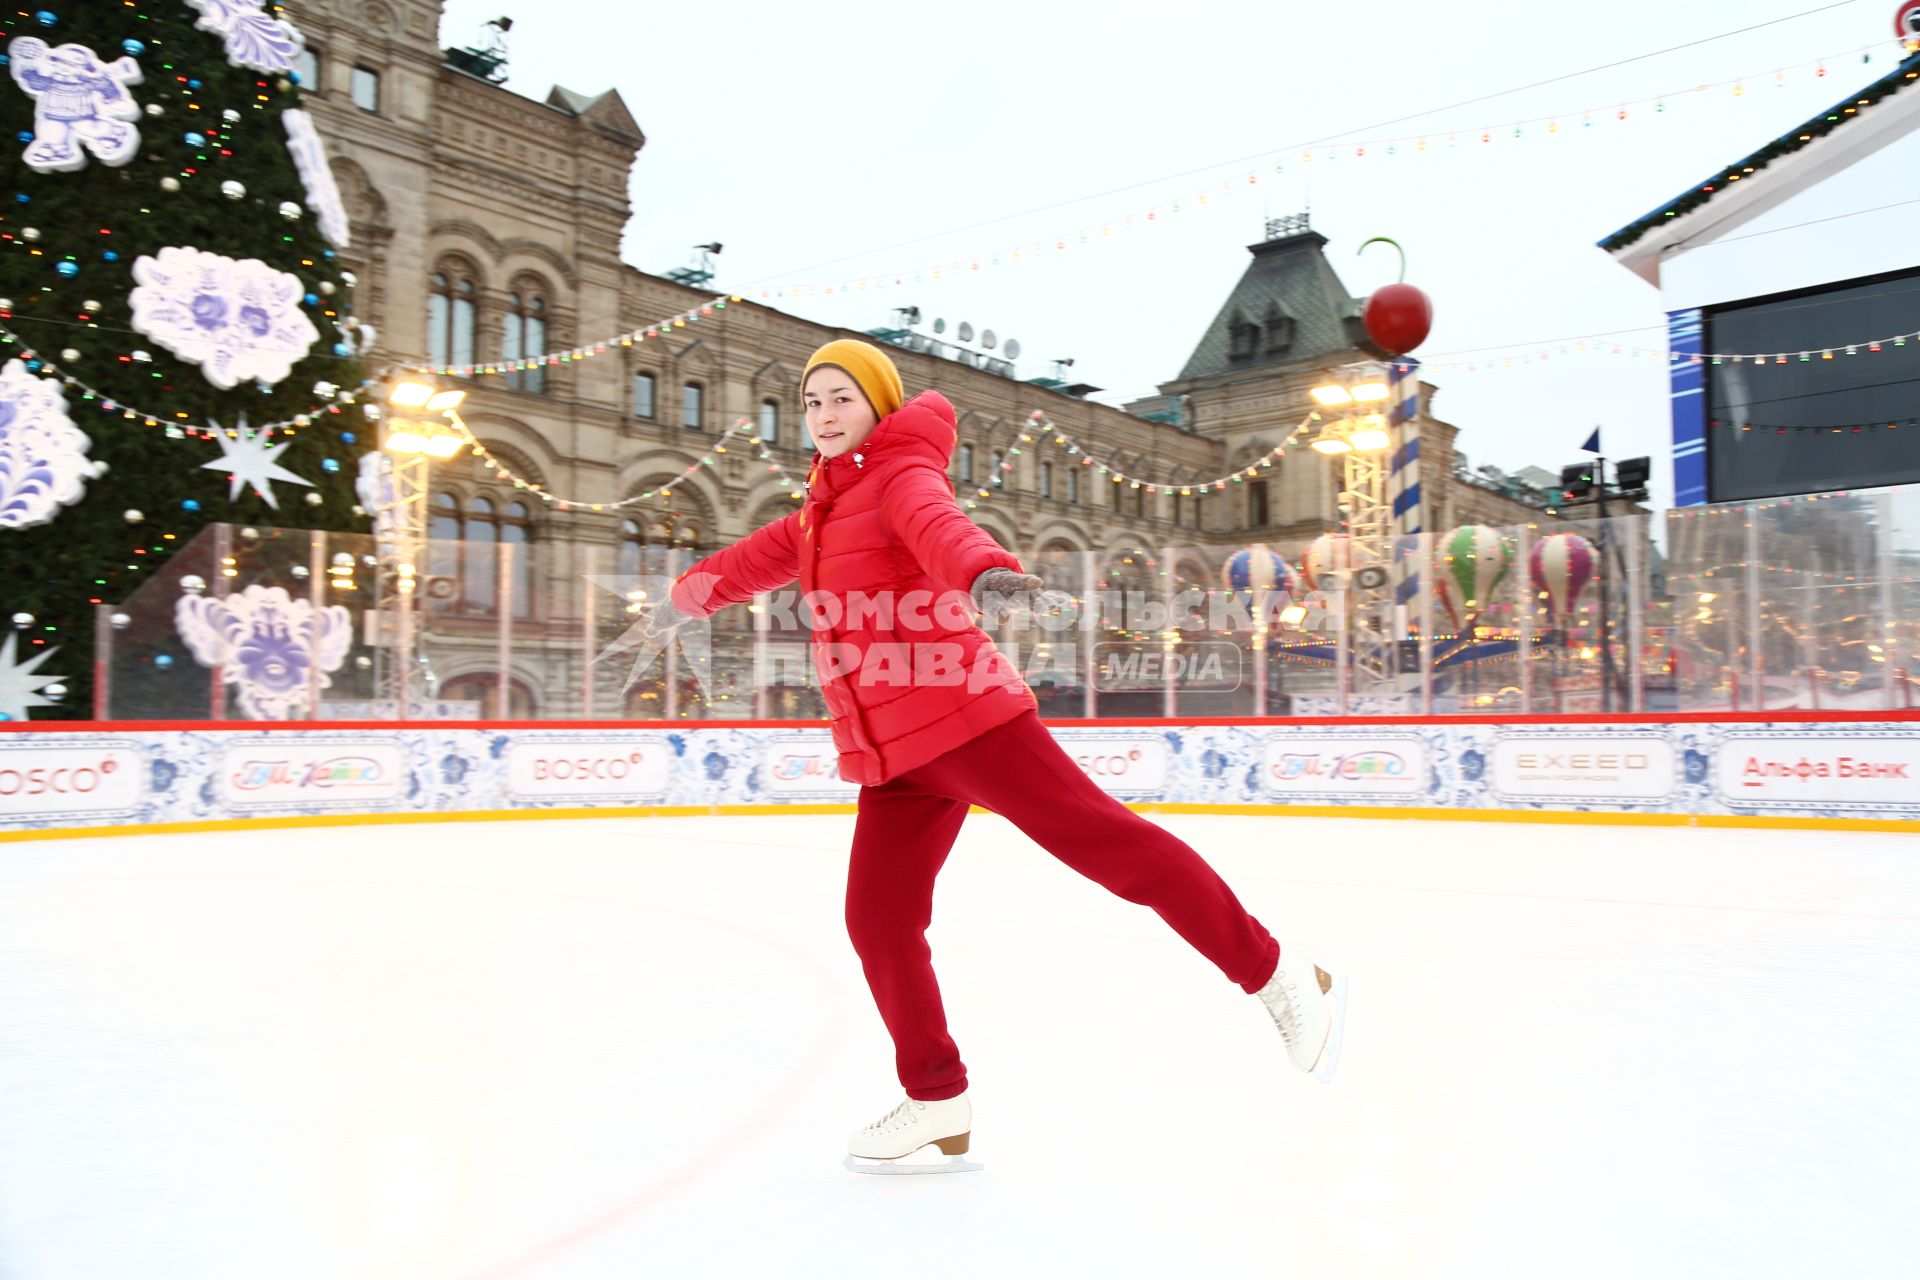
797, 491
1323, 140
1049, 432
178, 420
719, 449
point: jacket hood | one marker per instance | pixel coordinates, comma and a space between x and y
925, 425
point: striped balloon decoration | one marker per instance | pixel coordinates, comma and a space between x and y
1325, 555
1251, 568
1469, 565
1561, 566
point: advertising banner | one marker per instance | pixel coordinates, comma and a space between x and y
199, 773
1876, 772
804, 767
274, 771
79, 779
1123, 764
1624, 768
614, 768
1377, 766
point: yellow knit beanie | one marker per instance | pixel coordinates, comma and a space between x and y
868, 365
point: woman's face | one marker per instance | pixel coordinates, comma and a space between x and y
838, 416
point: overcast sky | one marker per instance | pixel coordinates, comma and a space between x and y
800, 135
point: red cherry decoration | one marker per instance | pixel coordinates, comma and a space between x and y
1398, 317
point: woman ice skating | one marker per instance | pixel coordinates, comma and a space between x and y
929, 717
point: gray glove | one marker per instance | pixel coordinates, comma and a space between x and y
661, 617
1005, 589
653, 626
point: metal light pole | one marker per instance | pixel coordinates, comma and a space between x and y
415, 430
1360, 438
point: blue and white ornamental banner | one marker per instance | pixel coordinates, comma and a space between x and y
1813, 769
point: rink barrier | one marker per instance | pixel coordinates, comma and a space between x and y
1833, 770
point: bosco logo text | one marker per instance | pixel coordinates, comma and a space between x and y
72, 780
610, 768
1113, 764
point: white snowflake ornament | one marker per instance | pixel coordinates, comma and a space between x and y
43, 456
316, 174
274, 650
254, 39
238, 319
250, 461
19, 685
81, 105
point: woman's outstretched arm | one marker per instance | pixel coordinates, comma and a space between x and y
768, 557
918, 506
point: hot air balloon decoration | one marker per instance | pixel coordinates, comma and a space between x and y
1469, 565
1561, 566
1325, 556
1253, 568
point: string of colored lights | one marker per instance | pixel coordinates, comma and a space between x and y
178, 424
576, 354
1518, 356
1549, 125
504, 472
797, 491
1054, 435
1844, 428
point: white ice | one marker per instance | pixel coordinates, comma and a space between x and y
633, 1048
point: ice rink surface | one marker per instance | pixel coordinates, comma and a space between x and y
587, 1050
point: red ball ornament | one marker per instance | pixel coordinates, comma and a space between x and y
1398, 317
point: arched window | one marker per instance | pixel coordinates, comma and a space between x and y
647, 539
643, 389
966, 464
1140, 502
450, 318
1073, 485
516, 529
627, 561
524, 337
443, 534
1256, 502
1046, 480
770, 421
477, 560
997, 476
693, 406
464, 550
1176, 511
1119, 492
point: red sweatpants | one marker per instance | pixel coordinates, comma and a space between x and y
906, 828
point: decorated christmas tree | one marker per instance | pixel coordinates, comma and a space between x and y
176, 339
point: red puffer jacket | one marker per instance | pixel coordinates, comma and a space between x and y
885, 558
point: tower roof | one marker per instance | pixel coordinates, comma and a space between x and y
1289, 308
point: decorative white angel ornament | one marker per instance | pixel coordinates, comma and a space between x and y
81, 104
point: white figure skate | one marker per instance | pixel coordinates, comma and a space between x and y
907, 1138
1309, 1005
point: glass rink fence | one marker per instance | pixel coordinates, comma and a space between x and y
1808, 603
